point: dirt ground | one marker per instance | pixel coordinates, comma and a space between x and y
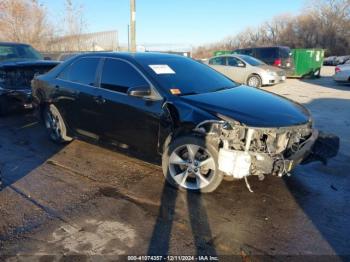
91, 202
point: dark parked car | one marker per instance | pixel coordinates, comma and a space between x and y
18, 65
330, 61
204, 125
66, 56
340, 60
280, 56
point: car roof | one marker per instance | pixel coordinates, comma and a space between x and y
241, 56
278, 46
138, 56
13, 44
231, 55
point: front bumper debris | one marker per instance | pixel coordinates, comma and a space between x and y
288, 148
246, 151
17, 99
240, 164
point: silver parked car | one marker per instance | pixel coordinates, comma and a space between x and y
342, 73
248, 70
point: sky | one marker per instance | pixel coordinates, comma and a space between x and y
177, 22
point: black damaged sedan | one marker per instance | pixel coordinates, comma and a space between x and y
204, 125
18, 65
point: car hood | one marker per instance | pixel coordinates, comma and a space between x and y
27, 63
344, 67
251, 106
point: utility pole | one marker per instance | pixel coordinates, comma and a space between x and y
133, 25
128, 38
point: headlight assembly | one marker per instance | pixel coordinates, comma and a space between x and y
229, 121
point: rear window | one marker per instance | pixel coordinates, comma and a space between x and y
251, 60
267, 53
82, 71
217, 61
248, 51
285, 52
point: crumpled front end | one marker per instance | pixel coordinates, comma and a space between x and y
267, 150
15, 86
246, 151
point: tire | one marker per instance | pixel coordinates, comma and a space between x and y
317, 73
254, 81
181, 163
55, 125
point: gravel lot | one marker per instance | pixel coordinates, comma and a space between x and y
83, 199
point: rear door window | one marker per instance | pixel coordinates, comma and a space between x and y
232, 61
218, 61
266, 53
248, 51
119, 76
82, 71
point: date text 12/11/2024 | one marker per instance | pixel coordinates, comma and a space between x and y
173, 258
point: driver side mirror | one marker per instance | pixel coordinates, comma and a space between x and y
139, 91
240, 64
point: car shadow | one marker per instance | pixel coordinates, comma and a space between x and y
201, 232
198, 219
160, 240
328, 82
323, 191
22, 147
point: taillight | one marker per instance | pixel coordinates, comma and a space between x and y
277, 62
337, 70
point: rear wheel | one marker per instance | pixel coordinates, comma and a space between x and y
254, 81
190, 163
55, 125
317, 73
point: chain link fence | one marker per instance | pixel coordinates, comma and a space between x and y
91, 42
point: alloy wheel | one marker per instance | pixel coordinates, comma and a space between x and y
53, 124
253, 81
192, 167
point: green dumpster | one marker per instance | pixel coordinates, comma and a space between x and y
307, 62
222, 52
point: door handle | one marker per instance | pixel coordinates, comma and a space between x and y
57, 86
99, 99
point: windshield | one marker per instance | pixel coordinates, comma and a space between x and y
251, 60
18, 52
184, 76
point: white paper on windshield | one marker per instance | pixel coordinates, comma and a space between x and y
162, 69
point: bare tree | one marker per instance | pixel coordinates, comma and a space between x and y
322, 24
24, 21
74, 25
273, 30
